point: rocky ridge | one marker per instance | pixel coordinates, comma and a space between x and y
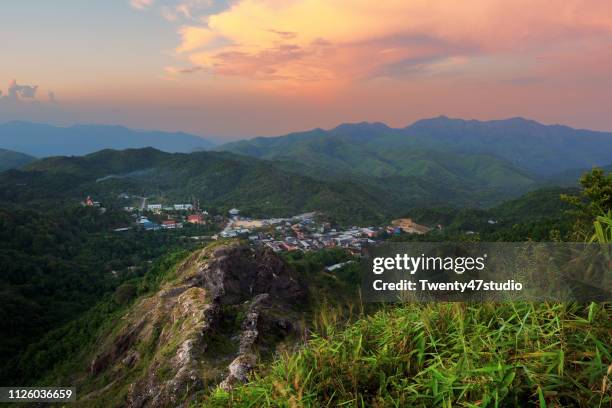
224, 307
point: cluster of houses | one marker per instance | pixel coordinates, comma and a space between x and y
172, 216
303, 237
172, 223
159, 208
303, 232
299, 232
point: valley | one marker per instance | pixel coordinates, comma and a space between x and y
141, 275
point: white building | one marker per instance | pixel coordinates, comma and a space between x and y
154, 207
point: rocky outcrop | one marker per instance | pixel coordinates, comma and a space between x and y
226, 306
244, 363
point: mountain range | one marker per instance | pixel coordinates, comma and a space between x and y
45, 140
439, 161
527, 145
365, 172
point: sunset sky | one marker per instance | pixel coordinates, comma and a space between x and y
240, 68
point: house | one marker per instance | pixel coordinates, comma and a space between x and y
195, 219
171, 224
343, 240
89, 202
148, 225
228, 234
154, 207
369, 232
183, 207
234, 212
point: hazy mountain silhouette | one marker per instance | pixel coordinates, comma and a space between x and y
45, 140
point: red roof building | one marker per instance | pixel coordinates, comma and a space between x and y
195, 219
170, 224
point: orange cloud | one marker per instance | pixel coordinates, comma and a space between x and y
338, 40
141, 4
193, 38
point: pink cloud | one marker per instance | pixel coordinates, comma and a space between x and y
310, 40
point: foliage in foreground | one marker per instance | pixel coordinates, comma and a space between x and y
603, 229
594, 200
446, 355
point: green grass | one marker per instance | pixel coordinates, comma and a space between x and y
443, 355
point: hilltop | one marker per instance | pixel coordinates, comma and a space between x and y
216, 312
193, 322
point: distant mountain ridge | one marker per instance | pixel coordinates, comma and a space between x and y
528, 145
41, 140
10, 159
434, 162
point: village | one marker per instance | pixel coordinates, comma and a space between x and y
305, 232
169, 217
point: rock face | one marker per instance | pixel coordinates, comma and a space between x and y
244, 363
226, 306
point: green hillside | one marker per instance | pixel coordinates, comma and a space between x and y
530, 217
217, 179
541, 149
412, 176
524, 144
11, 160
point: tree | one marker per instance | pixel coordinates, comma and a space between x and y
594, 200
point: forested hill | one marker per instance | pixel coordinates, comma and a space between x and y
10, 159
216, 179
525, 144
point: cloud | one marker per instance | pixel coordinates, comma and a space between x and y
336, 40
285, 35
16, 91
141, 4
20, 95
193, 38
173, 71
176, 10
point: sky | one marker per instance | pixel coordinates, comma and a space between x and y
229, 69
